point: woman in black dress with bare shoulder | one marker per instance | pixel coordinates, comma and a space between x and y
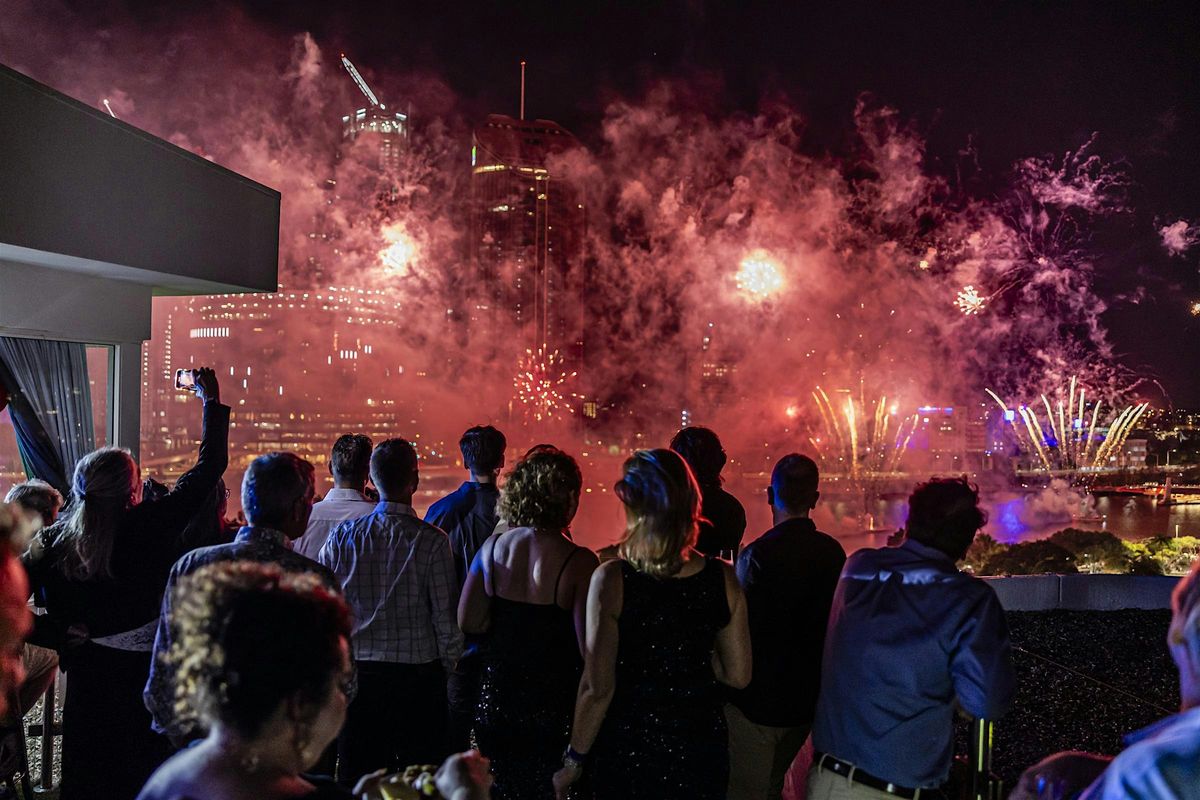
666, 628
527, 593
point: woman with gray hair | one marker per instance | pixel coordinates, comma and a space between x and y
100, 571
1163, 760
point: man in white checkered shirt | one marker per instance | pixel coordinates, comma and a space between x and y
397, 575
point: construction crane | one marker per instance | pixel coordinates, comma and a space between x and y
358, 79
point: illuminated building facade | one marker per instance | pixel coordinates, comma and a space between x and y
299, 366
956, 438
527, 229
383, 130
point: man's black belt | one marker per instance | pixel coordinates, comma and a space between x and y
856, 775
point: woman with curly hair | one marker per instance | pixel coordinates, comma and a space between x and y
665, 629
527, 592
262, 658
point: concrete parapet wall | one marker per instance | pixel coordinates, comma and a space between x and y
1083, 592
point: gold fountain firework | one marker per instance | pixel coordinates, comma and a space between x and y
862, 436
1068, 439
540, 383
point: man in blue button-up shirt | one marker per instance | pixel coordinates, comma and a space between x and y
277, 496
910, 639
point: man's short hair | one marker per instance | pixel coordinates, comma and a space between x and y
794, 482
944, 513
393, 464
482, 449
351, 456
273, 485
37, 497
702, 450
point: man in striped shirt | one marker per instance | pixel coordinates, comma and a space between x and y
397, 575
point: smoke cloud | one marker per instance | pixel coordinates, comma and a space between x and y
1178, 237
728, 271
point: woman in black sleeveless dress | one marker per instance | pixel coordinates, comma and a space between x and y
666, 627
526, 591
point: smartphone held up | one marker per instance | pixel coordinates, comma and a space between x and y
185, 379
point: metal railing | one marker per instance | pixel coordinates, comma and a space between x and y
983, 784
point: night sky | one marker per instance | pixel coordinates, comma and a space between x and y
1012, 79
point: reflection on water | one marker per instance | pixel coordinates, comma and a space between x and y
1013, 516
1018, 517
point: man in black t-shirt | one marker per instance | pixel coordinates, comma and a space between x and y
789, 575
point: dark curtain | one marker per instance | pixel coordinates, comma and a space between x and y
50, 403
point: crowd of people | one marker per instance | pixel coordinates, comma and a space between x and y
323, 647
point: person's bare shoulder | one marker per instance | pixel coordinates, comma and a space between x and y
607, 579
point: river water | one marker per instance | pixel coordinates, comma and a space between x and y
1012, 516
1022, 517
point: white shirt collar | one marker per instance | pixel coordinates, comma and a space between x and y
344, 494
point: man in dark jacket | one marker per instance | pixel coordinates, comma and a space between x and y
469, 516
277, 496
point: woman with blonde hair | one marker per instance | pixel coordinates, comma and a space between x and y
665, 628
100, 571
526, 594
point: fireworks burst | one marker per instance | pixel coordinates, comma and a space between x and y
1194, 308
1068, 441
401, 249
540, 384
760, 276
969, 301
864, 439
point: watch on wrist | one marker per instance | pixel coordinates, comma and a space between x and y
573, 758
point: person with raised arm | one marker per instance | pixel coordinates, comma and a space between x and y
99, 572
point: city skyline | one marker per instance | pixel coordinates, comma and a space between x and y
725, 258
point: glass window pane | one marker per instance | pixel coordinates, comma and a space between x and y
99, 370
11, 471
99, 365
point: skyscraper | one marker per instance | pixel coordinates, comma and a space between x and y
387, 130
317, 358
527, 228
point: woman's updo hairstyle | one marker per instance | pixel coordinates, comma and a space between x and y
662, 505
542, 490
